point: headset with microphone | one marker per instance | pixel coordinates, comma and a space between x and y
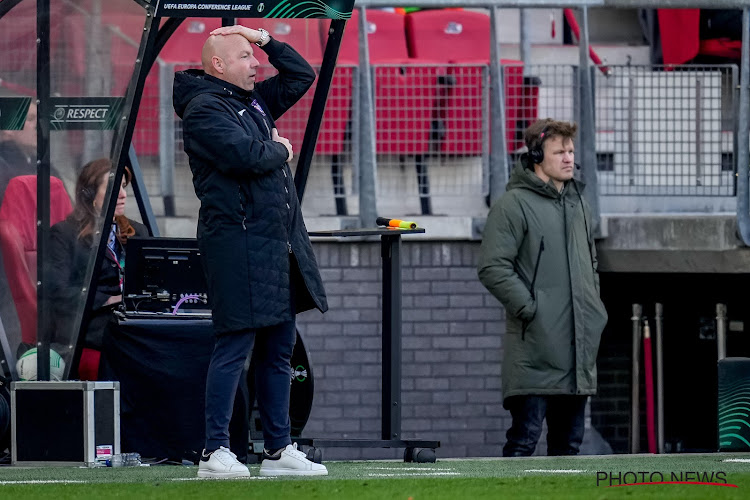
536, 153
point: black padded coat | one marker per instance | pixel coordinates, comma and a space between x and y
251, 234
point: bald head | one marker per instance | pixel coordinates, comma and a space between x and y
230, 58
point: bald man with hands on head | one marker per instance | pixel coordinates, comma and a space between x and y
258, 260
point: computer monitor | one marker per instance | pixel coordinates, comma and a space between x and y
164, 275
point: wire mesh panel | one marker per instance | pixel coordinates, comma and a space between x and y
549, 91
546, 91
332, 171
432, 131
666, 131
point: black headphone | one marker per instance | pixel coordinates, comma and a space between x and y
88, 194
536, 154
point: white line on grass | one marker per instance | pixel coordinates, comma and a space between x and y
740, 460
557, 471
40, 481
408, 469
218, 478
412, 475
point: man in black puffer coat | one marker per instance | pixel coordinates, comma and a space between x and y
258, 259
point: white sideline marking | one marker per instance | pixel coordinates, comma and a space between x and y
558, 471
41, 481
409, 469
219, 479
411, 475
740, 460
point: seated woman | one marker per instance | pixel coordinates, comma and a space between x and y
71, 243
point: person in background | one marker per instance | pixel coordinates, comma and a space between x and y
71, 243
538, 258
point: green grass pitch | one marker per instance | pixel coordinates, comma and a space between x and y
522, 478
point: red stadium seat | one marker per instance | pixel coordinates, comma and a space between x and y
461, 39
18, 243
404, 89
304, 36
679, 30
386, 38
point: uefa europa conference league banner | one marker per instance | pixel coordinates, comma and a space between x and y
301, 9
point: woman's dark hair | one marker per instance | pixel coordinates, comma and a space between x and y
84, 215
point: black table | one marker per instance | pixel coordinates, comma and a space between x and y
390, 249
161, 365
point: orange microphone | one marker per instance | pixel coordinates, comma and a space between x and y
401, 224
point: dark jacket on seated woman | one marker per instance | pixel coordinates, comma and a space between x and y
69, 257
71, 244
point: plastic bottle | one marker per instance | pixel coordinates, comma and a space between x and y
125, 460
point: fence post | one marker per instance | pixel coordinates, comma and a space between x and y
743, 129
721, 331
587, 126
367, 163
658, 340
525, 29
499, 147
635, 394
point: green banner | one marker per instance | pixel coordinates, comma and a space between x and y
85, 113
13, 112
300, 9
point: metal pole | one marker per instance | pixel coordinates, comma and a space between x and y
166, 137
698, 132
525, 29
588, 127
499, 148
631, 128
119, 155
743, 132
7, 357
368, 210
391, 343
659, 354
721, 331
98, 75
42, 186
304, 158
635, 395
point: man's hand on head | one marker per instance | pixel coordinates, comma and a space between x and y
252, 35
283, 140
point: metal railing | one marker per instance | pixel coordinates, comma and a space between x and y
696, 153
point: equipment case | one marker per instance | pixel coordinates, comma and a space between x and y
62, 423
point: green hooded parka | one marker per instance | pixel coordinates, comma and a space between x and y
538, 258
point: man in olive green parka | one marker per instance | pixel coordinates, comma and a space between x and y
538, 258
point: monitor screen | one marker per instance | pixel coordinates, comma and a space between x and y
164, 275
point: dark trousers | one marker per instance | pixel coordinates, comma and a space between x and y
272, 352
565, 424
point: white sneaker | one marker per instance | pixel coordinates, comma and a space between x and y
291, 462
222, 464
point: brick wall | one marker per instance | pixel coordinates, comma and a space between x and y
452, 351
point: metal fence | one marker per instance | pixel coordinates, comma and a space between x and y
666, 131
660, 131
